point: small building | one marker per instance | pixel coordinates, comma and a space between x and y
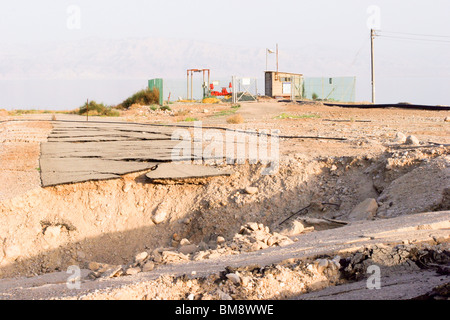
283, 84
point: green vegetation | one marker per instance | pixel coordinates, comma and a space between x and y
144, 97
314, 96
223, 113
189, 119
20, 112
291, 116
97, 109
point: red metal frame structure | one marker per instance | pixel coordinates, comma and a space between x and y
224, 91
191, 73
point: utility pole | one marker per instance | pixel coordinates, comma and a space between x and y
372, 36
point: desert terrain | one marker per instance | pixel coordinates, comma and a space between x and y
355, 188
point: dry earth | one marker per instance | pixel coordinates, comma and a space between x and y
122, 228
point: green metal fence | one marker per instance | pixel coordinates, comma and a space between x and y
334, 88
157, 83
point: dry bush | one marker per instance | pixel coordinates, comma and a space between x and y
181, 113
236, 118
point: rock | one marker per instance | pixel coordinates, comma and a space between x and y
184, 242
253, 226
220, 239
365, 210
140, 257
245, 281
295, 228
191, 296
321, 264
170, 256
200, 255
251, 190
126, 187
400, 138
94, 266
159, 216
285, 242
278, 239
188, 249
157, 257
235, 278
148, 266
202, 246
222, 295
255, 246
52, 232
447, 119
412, 140
131, 271
113, 272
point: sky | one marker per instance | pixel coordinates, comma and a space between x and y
55, 53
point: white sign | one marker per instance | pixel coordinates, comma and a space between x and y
245, 81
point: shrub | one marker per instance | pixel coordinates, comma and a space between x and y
144, 97
314, 96
97, 109
236, 118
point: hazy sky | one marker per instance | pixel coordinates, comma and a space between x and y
316, 38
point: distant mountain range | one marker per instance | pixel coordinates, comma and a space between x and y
96, 58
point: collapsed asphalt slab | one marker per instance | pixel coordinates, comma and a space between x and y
85, 151
181, 171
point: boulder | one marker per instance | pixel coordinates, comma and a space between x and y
159, 216
400, 138
295, 228
412, 140
365, 210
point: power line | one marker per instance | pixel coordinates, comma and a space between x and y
417, 34
414, 39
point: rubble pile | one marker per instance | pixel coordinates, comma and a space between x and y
251, 237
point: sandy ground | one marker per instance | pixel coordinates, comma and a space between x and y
45, 230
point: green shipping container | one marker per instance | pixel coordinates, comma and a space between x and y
158, 84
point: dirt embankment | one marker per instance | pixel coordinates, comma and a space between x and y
110, 221
103, 225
